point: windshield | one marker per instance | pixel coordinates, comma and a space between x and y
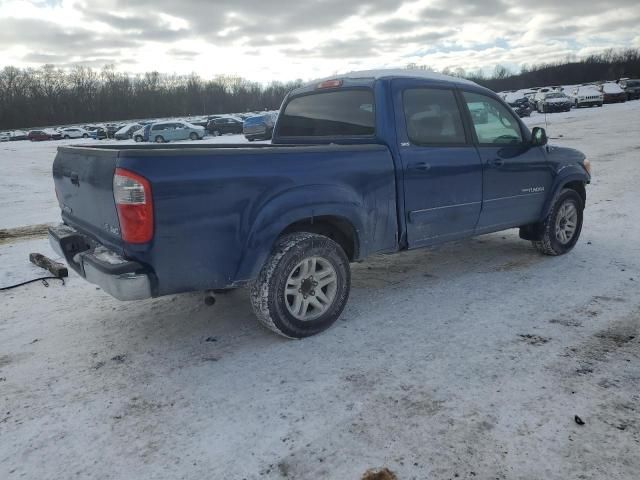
334, 113
555, 95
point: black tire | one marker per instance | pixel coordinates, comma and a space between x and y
85, 135
268, 290
159, 139
549, 244
66, 137
138, 139
193, 136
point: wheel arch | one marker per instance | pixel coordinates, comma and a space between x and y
341, 216
575, 180
336, 227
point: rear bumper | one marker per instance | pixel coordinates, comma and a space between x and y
121, 278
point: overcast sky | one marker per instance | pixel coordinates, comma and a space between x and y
267, 40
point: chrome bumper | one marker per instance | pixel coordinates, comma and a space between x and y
121, 278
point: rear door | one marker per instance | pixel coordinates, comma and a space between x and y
516, 176
441, 166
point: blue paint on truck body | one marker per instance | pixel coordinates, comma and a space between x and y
219, 209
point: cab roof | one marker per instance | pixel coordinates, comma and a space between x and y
397, 72
369, 77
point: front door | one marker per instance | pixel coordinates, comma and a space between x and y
441, 166
516, 176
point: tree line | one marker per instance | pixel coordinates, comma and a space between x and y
607, 65
53, 96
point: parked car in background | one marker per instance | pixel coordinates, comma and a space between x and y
222, 125
74, 132
126, 132
612, 93
18, 135
99, 133
631, 87
5, 136
550, 102
586, 96
259, 127
112, 128
522, 109
40, 135
519, 103
142, 135
162, 132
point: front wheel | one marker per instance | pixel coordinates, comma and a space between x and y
303, 286
561, 229
138, 139
193, 136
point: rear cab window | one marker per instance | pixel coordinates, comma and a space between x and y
337, 113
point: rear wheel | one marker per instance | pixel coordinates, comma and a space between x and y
303, 286
159, 139
67, 137
561, 229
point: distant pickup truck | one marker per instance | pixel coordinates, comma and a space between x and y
365, 163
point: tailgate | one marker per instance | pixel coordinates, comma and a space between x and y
83, 178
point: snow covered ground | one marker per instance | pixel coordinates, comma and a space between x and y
467, 361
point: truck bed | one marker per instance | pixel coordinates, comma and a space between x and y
219, 208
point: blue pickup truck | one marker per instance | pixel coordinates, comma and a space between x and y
360, 164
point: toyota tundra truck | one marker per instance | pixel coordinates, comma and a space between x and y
360, 164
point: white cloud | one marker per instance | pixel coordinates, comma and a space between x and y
293, 39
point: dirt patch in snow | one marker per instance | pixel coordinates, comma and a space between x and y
9, 235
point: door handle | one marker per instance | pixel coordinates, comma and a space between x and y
497, 162
422, 167
74, 178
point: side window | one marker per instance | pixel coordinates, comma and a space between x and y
432, 117
492, 121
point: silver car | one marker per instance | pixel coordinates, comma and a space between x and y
175, 130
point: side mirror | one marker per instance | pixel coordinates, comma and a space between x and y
538, 137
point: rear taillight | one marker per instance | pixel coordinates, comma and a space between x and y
132, 194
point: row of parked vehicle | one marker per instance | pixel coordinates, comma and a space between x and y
98, 132
562, 98
254, 126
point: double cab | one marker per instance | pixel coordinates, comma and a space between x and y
364, 163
